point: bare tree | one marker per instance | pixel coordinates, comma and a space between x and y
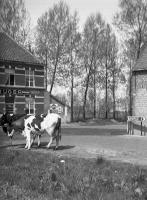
53, 37
91, 36
132, 22
114, 69
14, 19
68, 71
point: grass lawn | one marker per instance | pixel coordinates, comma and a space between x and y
27, 175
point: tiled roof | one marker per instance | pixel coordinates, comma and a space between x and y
56, 99
10, 50
141, 63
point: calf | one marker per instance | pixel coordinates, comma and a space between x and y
37, 125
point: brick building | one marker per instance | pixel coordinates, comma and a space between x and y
22, 82
139, 85
139, 93
22, 79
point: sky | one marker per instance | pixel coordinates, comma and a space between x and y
107, 8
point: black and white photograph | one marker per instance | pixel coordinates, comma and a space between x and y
73, 100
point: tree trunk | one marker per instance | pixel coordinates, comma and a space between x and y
113, 92
46, 70
94, 101
106, 97
55, 68
72, 83
130, 90
85, 94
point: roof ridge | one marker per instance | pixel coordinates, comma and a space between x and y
20, 45
56, 98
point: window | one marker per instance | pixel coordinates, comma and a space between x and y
30, 105
9, 76
29, 78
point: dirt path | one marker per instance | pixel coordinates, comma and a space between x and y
132, 149
91, 142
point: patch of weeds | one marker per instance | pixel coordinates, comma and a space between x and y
46, 177
100, 160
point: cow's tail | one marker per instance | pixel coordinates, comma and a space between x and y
59, 128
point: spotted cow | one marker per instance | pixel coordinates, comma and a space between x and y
32, 126
37, 125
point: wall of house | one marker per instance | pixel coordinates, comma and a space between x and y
46, 102
13, 96
139, 93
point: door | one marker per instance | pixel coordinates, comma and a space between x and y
9, 103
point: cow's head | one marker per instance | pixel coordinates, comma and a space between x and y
6, 118
5, 122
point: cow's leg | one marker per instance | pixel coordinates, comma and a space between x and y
57, 142
33, 139
56, 133
26, 146
28, 139
50, 142
24, 134
39, 140
50, 131
11, 134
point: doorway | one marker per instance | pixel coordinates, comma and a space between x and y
9, 103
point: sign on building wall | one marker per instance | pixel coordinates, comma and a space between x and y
18, 92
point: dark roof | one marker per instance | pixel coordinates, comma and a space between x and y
62, 103
141, 63
10, 50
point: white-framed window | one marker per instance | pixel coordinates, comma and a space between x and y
29, 77
10, 76
30, 105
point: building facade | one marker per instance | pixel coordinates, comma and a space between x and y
22, 79
139, 95
139, 85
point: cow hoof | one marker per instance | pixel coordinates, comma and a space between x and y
56, 148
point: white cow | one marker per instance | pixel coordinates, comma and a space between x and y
36, 125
